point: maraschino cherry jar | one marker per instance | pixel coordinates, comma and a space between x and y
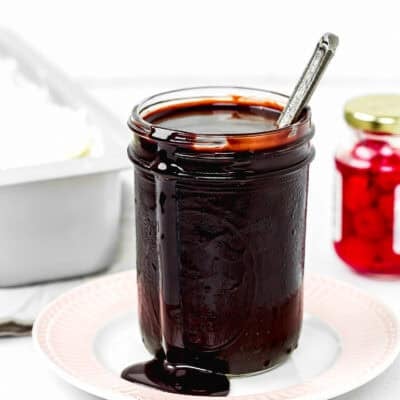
367, 212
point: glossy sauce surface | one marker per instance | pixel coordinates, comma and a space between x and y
225, 119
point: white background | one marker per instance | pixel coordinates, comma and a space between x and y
124, 50
253, 38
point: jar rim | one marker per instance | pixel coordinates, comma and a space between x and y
217, 94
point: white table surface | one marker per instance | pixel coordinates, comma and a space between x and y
22, 373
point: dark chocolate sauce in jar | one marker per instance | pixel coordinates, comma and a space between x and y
212, 119
220, 246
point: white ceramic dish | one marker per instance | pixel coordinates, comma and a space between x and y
90, 334
61, 219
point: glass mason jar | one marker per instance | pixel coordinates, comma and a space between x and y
367, 232
220, 230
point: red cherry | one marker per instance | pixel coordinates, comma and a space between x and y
388, 180
386, 246
386, 161
356, 194
387, 261
368, 149
386, 206
369, 224
347, 223
356, 252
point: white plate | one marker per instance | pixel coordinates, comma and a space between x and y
91, 333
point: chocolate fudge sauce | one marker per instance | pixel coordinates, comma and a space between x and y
220, 248
216, 118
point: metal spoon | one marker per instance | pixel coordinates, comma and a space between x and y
312, 74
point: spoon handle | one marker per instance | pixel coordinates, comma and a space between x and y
312, 74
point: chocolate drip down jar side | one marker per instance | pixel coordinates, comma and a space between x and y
220, 228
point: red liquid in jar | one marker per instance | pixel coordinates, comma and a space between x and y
370, 175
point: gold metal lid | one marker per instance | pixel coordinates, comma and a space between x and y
374, 113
